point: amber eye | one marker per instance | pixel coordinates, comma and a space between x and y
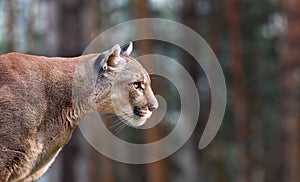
137, 85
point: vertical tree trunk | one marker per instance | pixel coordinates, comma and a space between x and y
92, 21
192, 169
30, 31
289, 143
10, 42
70, 27
52, 38
142, 11
99, 167
239, 96
190, 19
156, 171
214, 38
70, 45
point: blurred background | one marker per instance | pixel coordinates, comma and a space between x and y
258, 45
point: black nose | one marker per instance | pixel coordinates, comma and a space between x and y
152, 106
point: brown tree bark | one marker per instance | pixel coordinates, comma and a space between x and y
70, 29
289, 142
156, 171
239, 93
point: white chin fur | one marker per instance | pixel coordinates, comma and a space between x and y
142, 120
138, 122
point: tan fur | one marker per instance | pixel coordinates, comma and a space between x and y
38, 108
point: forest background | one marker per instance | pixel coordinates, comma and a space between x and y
257, 43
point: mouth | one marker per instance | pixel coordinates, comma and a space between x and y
139, 117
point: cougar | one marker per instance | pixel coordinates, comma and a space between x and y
42, 100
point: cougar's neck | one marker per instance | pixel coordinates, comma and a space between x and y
70, 86
72, 115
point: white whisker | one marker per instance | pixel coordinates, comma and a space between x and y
121, 128
118, 122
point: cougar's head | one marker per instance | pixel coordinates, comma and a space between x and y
123, 86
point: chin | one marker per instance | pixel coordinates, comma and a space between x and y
138, 121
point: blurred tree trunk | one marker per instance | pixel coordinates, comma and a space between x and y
10, 39
142, 11
156, 171
30, 30
70, 28
99, 167
289, 143
92, 21
52, 38
190, 19
215, 29
239, 96
192, 168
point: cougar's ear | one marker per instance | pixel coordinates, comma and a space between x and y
127, 49
110, 58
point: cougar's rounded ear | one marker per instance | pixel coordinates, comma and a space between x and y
127, 49
109, 58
